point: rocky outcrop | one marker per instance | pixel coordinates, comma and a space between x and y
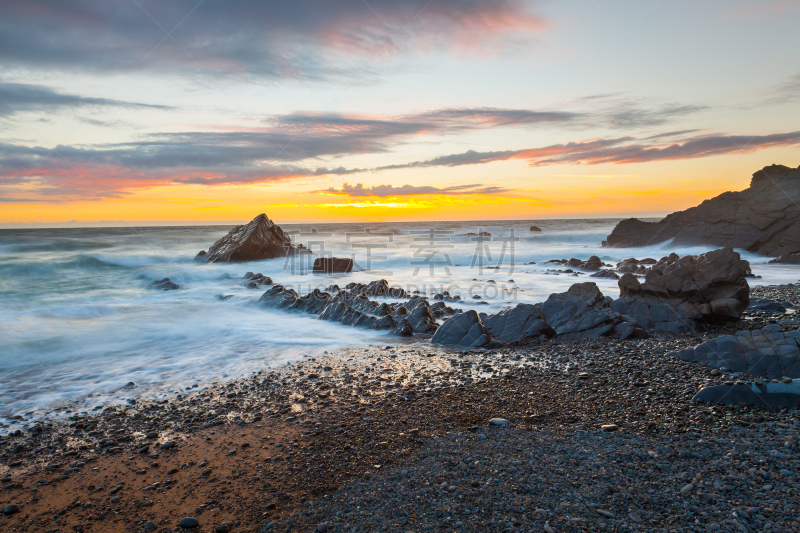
520, 322
583, 312
536, 229
593, 263
377, 288
776, 395
687, 292
354, 308
788, 259
605, 273
332, 265
765, 306
767, 353
464, 329
255, 281
762, 218
166, 285
258, 240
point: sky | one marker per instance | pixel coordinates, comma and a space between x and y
203, 111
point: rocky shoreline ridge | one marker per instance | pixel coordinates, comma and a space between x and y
764, 219
555, 435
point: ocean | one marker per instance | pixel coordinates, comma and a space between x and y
80, 318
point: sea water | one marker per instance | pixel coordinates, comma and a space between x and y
80, 318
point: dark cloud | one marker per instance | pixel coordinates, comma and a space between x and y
384, 191
17, 97
302, 38
622, 150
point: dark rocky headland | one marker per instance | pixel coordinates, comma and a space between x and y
764, 219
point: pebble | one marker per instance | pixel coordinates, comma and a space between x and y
498, 422
10, 509
189, 523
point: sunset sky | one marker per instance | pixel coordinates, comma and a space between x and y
125, 111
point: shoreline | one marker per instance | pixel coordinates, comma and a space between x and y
356, 419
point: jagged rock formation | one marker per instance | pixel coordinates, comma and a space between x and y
332, 265
258, 240
166, 285
536, 229
255, 281
767, 352
520, 322
682, 293
464, 329
353, 307
593, 263
764, 218
377, 288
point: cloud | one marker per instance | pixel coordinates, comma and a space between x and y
621, 150
384, 191
299, 39
17, 97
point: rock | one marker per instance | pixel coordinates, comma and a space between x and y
8, 510
258, 240
765, 305
761, 219
498, 422
165, 285
609, 427
536, 229
464, 329
778, 395
149, 526
792, 258
189, 523
377, 288
332, 265
520, 322
593, 263
768, 352
257, 279
583, 312
679, 294
224, 527
606, 273
322, 528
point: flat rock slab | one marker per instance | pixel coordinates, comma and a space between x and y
778, 395
768, 352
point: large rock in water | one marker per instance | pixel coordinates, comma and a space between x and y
764, 218
332, 265
767, 352
777, 395
464, 329
258, 240
686, 292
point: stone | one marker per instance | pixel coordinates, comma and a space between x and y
760, 219
258, 240
224, 527
583, 312
682, 293
189, 523
8, 510
778, 395
792, 258
517, 323
536, 229
332, 265
765, 305
463, 329
166, 285
768, 352
498, 422
609, 427
149, 526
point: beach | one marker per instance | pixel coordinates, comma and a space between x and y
571, 435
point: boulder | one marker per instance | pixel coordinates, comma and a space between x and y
767, 306
791, 258
593, 263
767, 352
464, 329
378, 287
517, 323
258, 240
605, 273
681, 294
536, 229
332, 265
775, 395
583, 312
166, 285
761, 219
